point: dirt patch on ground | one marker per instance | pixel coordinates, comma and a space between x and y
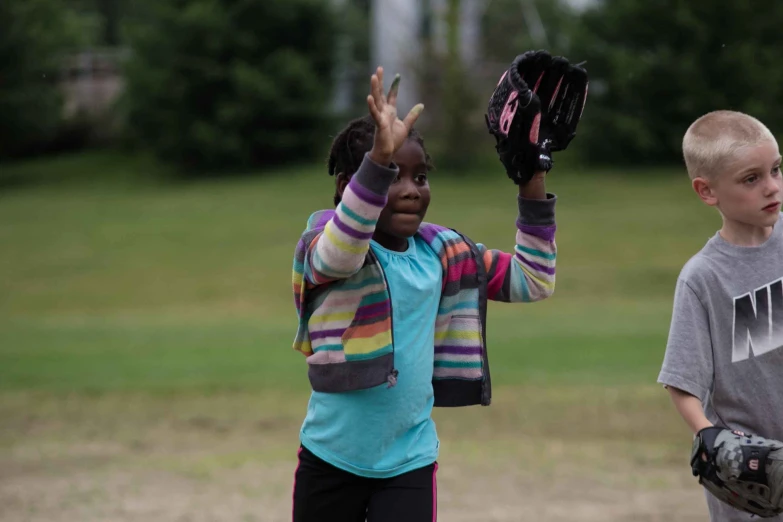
562, 457
262, 493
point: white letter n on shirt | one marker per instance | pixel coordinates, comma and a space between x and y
758, 322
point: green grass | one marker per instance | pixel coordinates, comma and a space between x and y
158, 286
146, 369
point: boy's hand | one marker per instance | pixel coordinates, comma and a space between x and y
390, 131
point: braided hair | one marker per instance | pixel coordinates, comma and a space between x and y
353, 142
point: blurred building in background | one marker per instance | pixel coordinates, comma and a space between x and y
91, 81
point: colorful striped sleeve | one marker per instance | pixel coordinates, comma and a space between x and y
340, 249
529, 274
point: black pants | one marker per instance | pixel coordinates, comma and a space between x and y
323, 493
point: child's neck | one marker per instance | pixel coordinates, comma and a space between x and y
743, 234
390, 242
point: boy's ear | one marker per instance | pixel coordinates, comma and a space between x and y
705, 191
342, 181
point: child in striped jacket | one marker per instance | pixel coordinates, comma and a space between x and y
392, 315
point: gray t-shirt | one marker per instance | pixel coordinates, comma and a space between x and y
726, 337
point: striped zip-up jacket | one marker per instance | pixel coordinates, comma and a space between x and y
344, 306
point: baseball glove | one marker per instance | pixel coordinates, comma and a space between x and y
534, 111
744, 471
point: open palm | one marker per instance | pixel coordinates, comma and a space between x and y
390, 131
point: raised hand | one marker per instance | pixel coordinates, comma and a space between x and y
390, 131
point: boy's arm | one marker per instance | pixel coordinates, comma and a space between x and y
690, 409
528, 274
339, 250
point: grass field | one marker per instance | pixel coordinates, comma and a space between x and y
146, 370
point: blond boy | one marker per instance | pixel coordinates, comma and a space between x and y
724, 364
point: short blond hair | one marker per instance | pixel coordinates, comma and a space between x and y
716, 137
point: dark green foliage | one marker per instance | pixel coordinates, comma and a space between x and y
218, 84
656, 66
34, 35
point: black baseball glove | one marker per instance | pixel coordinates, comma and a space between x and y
534, 111
744, 471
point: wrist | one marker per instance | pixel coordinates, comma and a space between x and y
700, 424
535, 188
381, 158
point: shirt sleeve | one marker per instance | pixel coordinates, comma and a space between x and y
339, 251
528, 274
688, 361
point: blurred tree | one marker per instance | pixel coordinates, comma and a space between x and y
453, 118
656, 66
109, 19
352, 61
217, 84
34, 35
459, 143
94, 12
511, 27
110, 12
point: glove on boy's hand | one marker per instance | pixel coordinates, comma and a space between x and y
744, 471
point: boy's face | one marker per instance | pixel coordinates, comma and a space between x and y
409, 195
749, 190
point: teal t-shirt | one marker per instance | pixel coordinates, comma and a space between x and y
383, 432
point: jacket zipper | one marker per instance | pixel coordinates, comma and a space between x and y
486, 382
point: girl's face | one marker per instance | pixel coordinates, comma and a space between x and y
408, 200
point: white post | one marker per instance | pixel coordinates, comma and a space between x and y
395, 44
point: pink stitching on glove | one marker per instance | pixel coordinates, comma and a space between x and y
508, 113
